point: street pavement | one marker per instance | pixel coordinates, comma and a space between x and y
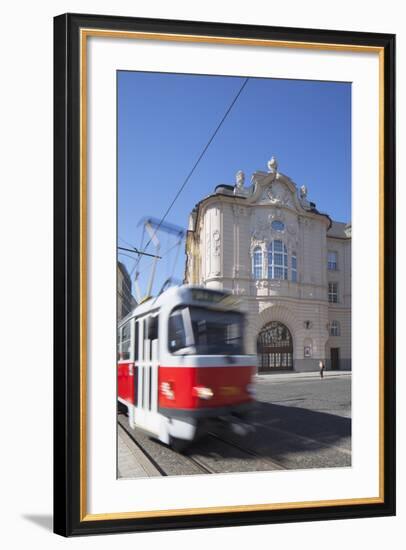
330, 394
299, 421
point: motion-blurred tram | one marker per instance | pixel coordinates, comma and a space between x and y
181, 363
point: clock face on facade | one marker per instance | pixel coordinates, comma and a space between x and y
277, 225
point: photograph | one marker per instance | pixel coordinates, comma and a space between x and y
224, 314
234, 234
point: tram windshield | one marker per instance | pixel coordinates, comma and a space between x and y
201, 331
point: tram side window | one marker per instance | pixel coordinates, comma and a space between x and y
177, 337
126, 341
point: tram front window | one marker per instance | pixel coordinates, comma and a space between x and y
201, 331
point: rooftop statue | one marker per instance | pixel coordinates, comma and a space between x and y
273, 165
239, 184
240, 179
303, 197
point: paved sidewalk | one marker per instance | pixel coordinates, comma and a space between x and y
132, 462
300, 375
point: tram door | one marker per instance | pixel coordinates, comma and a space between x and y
147, 398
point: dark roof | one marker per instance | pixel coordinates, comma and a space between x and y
224, 186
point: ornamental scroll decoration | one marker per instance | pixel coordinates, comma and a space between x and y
216, 243
276, 195
262, 284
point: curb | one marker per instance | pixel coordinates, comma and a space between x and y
302, 376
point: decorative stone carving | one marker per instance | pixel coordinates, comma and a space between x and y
261, 231
239, 210
216, 242
240, 179
276, 215
262, 284
303, 198
239, 188
273, 165
278, 196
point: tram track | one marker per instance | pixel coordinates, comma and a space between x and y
212, 455
205, 469
167, 461
218, 453
275, 464
221, 455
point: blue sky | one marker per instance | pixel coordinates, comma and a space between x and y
165, 120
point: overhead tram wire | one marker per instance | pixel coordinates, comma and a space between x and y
145, 267
135, 250
194, 167
126, 242
164, 254
138, 259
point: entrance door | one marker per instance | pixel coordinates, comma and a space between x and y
335, 358
275, 348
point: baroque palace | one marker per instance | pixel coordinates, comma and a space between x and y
289, 264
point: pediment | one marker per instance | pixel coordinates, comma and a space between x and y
273, 189
277, 194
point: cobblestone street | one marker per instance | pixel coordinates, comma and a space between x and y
299, 422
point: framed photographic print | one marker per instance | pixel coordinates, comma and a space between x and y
224, 274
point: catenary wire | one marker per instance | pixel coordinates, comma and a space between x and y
194, 167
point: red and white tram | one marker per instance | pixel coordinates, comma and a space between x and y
181, 363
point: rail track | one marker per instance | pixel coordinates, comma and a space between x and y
214, 454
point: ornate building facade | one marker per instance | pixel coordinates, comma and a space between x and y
289, 264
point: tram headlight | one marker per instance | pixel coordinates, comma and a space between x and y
202, 392
167, 390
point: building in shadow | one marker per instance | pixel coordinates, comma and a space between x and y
125, 299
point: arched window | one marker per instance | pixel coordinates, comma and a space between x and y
277, 260
257, 263
334, 328
294, 267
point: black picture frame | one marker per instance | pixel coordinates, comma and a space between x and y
68, 388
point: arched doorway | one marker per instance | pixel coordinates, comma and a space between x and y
275, 348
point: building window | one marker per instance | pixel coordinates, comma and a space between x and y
334, 328
277, 225
294, 267
277, 260
257, 263
333, 293
332, 260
